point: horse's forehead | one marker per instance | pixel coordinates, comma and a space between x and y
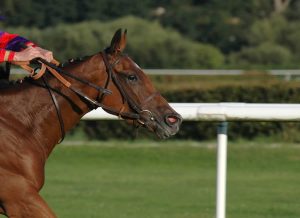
128, 63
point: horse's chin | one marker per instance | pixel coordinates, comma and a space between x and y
162, 130
164, 133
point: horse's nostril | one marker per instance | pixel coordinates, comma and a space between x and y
172, 119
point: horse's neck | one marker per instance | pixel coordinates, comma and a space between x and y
33, 111
72, 107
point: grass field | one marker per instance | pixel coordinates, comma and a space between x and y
172, 180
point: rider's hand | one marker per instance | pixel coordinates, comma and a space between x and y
33, 52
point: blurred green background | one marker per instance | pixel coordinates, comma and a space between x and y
166, 33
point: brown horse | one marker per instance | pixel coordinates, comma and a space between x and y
30, 128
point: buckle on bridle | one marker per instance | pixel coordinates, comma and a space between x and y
150, 115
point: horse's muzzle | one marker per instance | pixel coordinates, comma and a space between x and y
168, 126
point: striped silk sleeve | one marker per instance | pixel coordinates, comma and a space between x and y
6, 55
11, 43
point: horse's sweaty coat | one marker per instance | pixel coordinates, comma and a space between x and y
29, 128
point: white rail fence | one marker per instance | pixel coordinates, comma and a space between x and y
286, 73
224, 112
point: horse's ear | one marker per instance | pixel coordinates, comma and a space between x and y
118, 42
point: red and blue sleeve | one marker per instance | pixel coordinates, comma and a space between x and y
11, 43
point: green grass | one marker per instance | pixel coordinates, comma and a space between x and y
172, 180
263, 181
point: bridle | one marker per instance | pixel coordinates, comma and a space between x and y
138, 111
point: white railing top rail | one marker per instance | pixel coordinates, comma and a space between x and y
224, 112
202, 72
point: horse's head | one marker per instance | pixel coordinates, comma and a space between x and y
133, 95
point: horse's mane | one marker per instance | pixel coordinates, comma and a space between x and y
74, 61
6, 83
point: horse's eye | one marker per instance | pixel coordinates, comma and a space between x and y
132, 78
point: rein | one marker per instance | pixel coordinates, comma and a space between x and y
58, 111
56, 71
53, 69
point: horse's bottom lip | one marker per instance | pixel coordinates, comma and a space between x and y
164, 132
161, 129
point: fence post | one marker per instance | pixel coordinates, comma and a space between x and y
221, 170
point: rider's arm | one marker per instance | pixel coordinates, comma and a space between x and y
10, 44
11, 49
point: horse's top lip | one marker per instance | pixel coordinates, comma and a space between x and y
162, 129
